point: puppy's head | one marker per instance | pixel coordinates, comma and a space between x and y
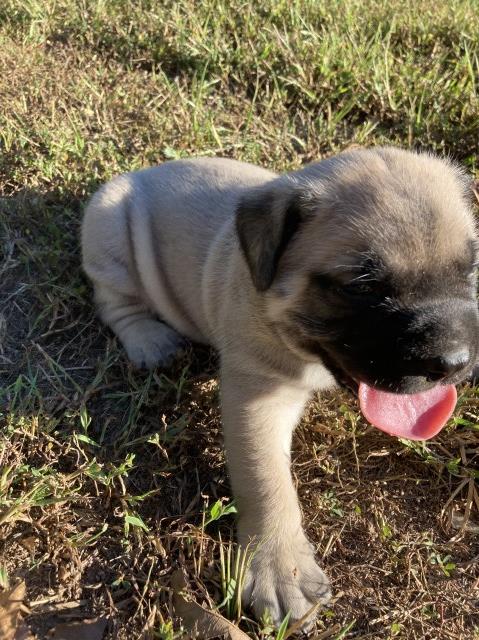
367, 262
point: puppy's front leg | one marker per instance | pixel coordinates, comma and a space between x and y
259, 417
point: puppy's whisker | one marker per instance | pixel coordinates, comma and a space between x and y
366, 277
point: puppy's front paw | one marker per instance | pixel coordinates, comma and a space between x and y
284, 578
150, 343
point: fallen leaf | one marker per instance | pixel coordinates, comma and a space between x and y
200, 622
10, 604
86, 630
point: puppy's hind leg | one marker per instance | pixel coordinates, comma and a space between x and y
109, 260
148, 342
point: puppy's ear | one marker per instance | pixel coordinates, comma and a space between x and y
266, 220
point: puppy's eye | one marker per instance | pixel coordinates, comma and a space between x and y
358, 288
354, 289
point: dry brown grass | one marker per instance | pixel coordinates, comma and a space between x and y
106, 473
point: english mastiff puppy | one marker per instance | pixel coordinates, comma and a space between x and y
358, 269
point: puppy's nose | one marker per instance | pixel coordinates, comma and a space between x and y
446, 364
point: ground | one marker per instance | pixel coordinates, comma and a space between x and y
111, 479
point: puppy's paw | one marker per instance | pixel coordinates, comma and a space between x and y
150, 343
286, 578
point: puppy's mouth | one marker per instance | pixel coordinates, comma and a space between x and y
417, 416
413, 416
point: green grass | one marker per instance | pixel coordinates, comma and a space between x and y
108, 475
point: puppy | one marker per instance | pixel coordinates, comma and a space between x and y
358, 269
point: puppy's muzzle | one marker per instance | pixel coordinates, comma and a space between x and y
442, 340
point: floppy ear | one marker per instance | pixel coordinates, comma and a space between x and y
266, 220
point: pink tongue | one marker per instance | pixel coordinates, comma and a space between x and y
419, 416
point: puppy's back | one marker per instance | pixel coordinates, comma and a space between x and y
152, 230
